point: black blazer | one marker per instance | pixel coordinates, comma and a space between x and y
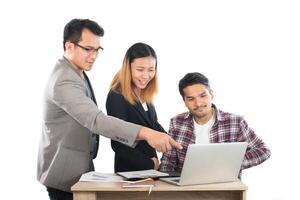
127, 158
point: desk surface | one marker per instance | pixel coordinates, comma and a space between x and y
159, 186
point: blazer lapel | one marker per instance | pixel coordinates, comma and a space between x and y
139, 108
152, 114
94, 100
91, 88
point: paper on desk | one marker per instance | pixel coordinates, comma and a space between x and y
100, 177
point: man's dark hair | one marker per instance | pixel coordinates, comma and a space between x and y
192, 79
73, 30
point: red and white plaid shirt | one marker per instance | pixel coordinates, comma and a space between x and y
227, 128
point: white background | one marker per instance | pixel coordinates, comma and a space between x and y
248, 49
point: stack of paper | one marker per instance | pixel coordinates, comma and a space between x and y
100, 177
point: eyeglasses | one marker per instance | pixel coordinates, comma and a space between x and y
90, 50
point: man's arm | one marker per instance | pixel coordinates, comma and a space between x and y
69, 94
257, 151
158, 140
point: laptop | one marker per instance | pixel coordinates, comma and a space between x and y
210, 163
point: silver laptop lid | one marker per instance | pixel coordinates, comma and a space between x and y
212, 163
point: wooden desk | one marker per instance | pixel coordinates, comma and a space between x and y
108, 191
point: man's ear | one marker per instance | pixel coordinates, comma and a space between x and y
211, 93
69, 45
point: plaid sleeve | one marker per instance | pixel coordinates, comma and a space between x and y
168, 160
257, 152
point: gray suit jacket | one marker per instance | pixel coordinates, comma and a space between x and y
70, 118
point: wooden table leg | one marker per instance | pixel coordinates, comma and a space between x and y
244, 195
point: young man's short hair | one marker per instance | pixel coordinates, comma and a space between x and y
192, 79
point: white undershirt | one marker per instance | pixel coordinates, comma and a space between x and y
202, 131
145, 106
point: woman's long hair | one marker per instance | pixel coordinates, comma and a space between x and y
122, 81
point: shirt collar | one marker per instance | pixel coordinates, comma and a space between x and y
64, 59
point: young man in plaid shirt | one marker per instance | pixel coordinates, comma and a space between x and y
205, 123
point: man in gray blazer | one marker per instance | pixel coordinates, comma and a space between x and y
72, 122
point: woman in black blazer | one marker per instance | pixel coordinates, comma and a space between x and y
130, 98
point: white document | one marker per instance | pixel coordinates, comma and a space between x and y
151, 173
100, 177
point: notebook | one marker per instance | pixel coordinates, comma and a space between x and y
142, 174
148, 182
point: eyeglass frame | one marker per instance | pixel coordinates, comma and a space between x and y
89, 50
